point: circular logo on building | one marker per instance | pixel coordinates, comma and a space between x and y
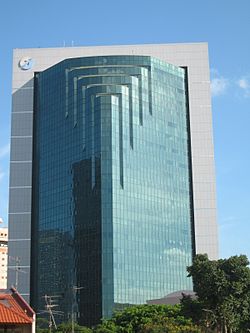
26, 63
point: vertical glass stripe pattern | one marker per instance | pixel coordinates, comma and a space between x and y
113, 193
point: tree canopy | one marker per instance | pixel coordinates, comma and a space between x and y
223, 290
150, 319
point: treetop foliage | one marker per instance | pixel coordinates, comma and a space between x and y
148, 318
223, 290
222, 305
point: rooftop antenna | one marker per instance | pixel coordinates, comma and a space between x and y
17, 269
49, 306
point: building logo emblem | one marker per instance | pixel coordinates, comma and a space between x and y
26, 63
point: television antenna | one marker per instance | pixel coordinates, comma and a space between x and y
49, 309
17, 269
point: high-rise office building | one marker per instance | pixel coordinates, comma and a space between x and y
112, 187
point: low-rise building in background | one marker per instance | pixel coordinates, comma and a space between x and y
3, 257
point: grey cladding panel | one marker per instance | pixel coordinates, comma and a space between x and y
21, 149
19, 226
22, 124
20, 200
21, 174
22, 100
20, 249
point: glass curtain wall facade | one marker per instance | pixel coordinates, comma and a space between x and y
112, 193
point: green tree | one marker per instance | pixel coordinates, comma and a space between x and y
108, 326
192, 308
67, 328
169, 326
148, 318
42, 325
223, 290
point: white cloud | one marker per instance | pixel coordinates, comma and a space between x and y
219, 86
4, 150
244, 84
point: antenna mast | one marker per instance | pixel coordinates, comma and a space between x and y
49, 305
17, 269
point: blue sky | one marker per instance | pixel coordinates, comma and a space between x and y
224, 24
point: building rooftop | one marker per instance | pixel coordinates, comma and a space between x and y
173, 298
14, 309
